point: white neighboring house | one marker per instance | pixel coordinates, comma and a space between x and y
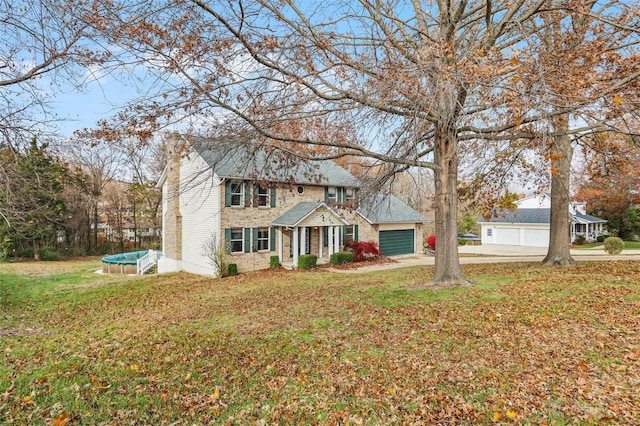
528, 225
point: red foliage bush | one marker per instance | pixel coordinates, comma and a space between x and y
431, 242
363, 250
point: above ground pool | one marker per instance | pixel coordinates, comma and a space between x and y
123, 263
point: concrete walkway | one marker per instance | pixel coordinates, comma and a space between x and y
493, 253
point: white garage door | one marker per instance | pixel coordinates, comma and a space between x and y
508, 236
536, 237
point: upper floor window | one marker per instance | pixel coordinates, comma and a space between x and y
237, 192
332, 195
349, 194
261, 194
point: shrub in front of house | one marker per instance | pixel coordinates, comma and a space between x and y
341, 257
431, 242
274, 262
601, 238
580, 240
307, 261
363, 250
462, 242
613, 245
232, 269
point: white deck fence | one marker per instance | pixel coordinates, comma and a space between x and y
148, 261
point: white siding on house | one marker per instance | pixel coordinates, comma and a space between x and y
200, 208
534, 202
487, 234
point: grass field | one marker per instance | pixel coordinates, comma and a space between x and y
525, 345
628, 245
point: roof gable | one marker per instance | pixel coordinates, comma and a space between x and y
387, 208
309, 213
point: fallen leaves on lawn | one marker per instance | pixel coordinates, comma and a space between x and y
526, 345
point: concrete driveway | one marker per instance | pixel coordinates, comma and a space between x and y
493, 253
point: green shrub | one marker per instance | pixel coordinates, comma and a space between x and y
341, 257
462, 242
232, 269
600, 238
580, 240
613, 245
274, 262
48, 254
307, 261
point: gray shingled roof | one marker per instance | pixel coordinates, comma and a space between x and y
587, 218
522, 216
537, 216
386, 208
299, 212
255, 162
295, 214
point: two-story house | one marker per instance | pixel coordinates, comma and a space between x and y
257, 202
529, 224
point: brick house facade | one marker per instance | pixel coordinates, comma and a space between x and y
257, 203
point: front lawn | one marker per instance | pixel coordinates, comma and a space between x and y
628, 245
525, 345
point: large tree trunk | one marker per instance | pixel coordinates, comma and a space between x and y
447, 265
559, 239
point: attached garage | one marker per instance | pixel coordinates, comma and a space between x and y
400, 241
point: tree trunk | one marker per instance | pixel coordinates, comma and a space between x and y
447, 265
559, 238
96, 220
36, 250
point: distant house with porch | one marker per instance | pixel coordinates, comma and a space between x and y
257, 203
529, 223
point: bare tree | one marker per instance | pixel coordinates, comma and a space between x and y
417, 77
100, 163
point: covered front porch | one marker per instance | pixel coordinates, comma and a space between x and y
308, 228
590, 227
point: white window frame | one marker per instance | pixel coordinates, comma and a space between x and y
263, 239
261, 198
232, 240
349, 194
332, 198
239, 195
350, 235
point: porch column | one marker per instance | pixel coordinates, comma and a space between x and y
280, 243
330, 238
294, 246
303, 240
336, 236
321, 241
